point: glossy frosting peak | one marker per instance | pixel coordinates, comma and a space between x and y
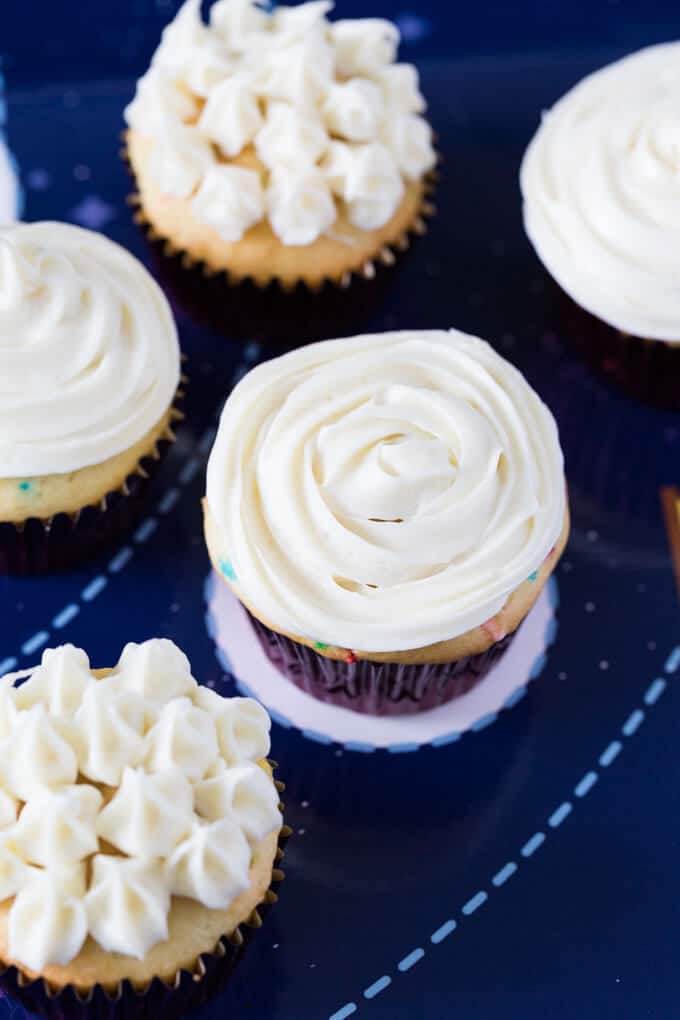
89, 356
385, 492
601, 188
118, 793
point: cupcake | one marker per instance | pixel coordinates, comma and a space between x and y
388, 509
601, 189
279, 146
139, 825
89, 376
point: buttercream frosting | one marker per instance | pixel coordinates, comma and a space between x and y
89, 355
119, 792
601, 189
288, 84
384, 492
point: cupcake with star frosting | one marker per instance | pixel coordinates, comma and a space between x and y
139, 827
601, 188
388, 509
280, 146
89, 380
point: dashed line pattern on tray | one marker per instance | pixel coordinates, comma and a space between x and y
120, 560
534, 843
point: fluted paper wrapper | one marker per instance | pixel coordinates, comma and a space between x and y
376, 688
273, 314
159, 1000
64, 540
648, 370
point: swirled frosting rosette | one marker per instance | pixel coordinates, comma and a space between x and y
89, 370
139, 820
279, 144
601, 188
386, 498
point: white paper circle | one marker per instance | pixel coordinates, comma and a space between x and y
241, 655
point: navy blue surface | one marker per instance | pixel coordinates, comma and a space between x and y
530, 869
79, 40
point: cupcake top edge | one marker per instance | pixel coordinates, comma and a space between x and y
89, 352
600, 182
282, 116
384, 493
120, 789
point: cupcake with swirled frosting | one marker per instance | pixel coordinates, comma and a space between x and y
388, 509
89, 373
601, 189
280, 145
139, 828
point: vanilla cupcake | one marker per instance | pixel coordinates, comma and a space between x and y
280, 146
388, 508
601, 189
139, 828
89, 375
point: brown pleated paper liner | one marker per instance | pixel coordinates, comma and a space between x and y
272, 313
376, 688
43, 545
188, 990
647, 370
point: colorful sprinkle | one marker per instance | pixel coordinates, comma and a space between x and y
320, 645
228, 570
532, 577
25, 486
350, 657
494, 629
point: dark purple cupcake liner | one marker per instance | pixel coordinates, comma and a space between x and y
189, 989
41, 546
648, 370
376, 688
272, 314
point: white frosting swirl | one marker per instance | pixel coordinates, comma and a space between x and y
289, 83
300, 205
186, 802
211, 865
183, 738
57, 828
290, 139
149, 814
231, 118
47, 922
368, 179
385, 492
231, 200
127, 904
243, 793
89, 356
601, 189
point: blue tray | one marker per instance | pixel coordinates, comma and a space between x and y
529, 868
